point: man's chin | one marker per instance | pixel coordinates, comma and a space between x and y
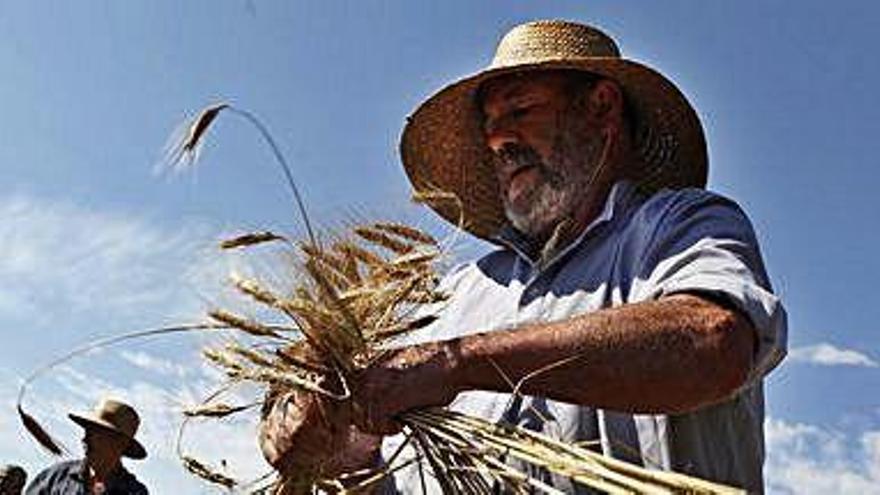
525, 223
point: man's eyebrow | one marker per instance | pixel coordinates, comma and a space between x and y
518, 89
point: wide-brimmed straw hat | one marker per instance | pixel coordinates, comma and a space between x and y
443, 147
117, 417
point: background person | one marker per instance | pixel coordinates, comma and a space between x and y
109, 435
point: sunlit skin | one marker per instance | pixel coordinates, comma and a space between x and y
542, 167
668, 356
557, 147
103, 453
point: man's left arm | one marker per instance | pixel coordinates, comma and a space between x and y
703, 324
666, 356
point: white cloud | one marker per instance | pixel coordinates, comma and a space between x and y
809, 459
66, 260
825, 354
154, 364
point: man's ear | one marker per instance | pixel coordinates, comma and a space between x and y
606, 102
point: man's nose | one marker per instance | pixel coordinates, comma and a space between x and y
498, 136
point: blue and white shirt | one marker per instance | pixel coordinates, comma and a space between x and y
638, 249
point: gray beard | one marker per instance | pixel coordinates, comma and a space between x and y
551, 204
558, 197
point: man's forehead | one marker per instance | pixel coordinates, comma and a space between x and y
511, 85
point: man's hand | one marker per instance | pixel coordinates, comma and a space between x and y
406, 379
301, 432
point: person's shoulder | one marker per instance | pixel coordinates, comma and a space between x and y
137, 488
70, 466
670, 207
666, 200
133, 486
52, 475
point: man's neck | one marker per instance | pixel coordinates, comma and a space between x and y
101, 470
569, 228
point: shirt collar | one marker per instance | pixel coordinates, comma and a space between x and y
527, 249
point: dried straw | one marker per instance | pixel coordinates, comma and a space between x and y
215, 410
40, 434
205, 472
251, 239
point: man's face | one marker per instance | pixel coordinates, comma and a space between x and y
546, 147
103, 445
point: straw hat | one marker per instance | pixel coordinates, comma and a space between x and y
117, 417
443, 147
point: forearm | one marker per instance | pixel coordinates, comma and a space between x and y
669, 356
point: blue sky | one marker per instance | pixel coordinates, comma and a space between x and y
94, 243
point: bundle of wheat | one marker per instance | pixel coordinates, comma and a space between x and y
351, 300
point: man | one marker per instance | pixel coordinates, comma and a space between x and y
641, 296
12, 479
109, 433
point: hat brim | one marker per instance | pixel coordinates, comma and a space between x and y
443, 146
134, 451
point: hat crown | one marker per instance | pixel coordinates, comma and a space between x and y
120, 415
541, 41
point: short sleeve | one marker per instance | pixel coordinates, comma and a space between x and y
37, 486
702, 242
42, 483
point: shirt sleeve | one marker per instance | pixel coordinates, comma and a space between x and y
702, 242
40, 484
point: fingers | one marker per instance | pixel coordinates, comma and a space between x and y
303, 433
302, 424
275, 436
298, 430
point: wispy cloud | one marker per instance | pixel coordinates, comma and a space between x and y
66, 260
149, 362
809, 459
68, 264
825, 354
